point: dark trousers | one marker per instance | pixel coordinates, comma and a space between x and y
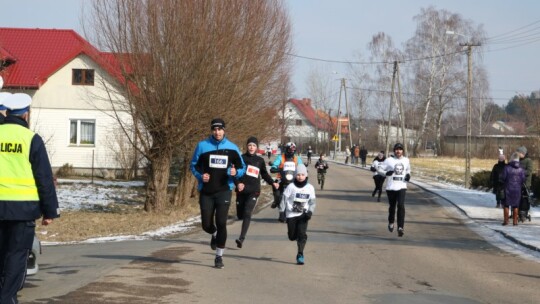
245, 203
396, 198
297, 231
379, 181
16, 239
215, 207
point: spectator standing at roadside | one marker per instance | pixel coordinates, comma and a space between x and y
513, 177
363, 155
497, 183
248, 187
527, 164
398, 170
215, 163
28, 193
356, 154
347, 154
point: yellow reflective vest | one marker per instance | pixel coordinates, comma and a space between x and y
17, 181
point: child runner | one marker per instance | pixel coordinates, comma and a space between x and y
298, 204
321, 166
248, 187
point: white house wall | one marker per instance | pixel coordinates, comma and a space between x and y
58, 101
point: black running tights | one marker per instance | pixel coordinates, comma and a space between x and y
215, 206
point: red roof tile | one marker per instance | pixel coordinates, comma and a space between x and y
38, 53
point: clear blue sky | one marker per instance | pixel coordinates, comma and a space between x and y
336, 29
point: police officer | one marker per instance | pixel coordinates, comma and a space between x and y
3, 96
27, 194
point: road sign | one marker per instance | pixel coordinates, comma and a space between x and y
335, 138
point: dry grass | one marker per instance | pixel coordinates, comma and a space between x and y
448, 169
115, 220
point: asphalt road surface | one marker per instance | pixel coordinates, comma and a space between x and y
351, 257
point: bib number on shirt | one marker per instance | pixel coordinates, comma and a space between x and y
252, 171
219, 161
289, 166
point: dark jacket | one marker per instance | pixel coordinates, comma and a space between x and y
513, 177
497, 183
41, 168
321, 166
255, 168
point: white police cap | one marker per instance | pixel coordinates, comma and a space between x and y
18, 103
4, 96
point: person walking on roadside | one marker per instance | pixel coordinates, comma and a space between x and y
378, 177
321, 166
27, 193
355, 154
363, 155
497, 183
398, 170
268, 151
513, 177
248, 187
298, 205
527, 164
347, 154
215, 163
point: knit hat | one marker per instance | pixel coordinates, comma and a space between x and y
217, 123
398, 146
301, 169
252, 139
522, 149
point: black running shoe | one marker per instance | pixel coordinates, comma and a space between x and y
274, 205
218, 262
239, 243
400, 231
391, 227
213, 243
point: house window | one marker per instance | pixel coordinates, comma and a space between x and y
82, 77
82, 132
298, 122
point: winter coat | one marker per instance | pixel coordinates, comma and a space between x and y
527, 164
497, 183
513, 177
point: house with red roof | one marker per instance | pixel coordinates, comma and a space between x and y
307, 126
67, 79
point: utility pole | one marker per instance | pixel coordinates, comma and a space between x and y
390, 110
401, 113
348, 112
469, 46
338, 124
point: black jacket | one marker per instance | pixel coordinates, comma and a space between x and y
255, 165
496, 182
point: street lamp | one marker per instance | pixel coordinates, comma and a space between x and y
469, 46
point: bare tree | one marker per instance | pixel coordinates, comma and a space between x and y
319, 84
436, 76
183, 63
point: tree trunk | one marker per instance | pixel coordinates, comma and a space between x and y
185, 184
158, 181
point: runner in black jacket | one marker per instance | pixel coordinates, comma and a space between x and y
248, 188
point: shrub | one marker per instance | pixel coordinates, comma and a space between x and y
65, 171
481, 179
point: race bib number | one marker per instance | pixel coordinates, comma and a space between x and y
219, 161
289, 166
252, 171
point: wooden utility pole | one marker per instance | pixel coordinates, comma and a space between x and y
401, 113
390, 109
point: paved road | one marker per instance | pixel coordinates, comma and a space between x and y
350, 258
